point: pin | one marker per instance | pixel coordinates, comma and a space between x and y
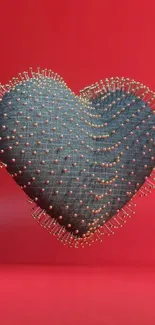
38, 213
108, 230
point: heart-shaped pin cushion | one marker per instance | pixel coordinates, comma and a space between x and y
80, 159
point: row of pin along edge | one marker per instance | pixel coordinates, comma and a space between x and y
117, 221
129, 209
29, 75
53, 227
127, 85
42, 73
108, 228
102, 87
67, 238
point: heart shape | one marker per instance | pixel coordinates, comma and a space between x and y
80, 159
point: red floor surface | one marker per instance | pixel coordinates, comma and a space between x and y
51, 295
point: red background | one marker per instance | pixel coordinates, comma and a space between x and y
112, 282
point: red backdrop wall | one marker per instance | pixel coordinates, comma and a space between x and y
84, 41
